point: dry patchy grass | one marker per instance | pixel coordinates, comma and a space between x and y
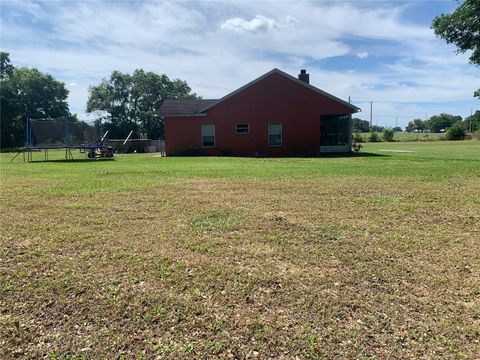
328, 267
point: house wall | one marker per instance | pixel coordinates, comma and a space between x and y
274, 99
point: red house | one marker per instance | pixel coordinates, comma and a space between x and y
275, 114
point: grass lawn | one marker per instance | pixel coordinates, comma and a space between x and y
369, 257
406, 136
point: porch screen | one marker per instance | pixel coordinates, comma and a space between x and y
335, 130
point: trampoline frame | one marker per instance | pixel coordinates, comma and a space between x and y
28, 150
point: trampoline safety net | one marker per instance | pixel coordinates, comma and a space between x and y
61, 132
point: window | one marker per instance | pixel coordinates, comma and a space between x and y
208, 135
241, 129
274, 134
335, 130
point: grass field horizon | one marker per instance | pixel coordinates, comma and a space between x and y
403, 136
371, 257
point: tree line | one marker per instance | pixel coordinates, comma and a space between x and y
443, 122
360, 125
435, 124
122, 102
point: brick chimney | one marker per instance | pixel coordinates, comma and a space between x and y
304, 76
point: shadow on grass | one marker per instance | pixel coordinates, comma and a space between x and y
283, 156
70, 160
353, 155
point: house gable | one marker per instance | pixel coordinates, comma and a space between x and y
352, 108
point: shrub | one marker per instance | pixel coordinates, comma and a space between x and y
388, 135
357, 137
356, 147
456, 132
373, 137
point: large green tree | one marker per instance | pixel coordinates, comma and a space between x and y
416, 125
6, 68
132, 102
360, 125
462, 28
441, 122
29, 93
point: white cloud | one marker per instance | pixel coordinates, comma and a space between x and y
362, 55
73, 84
259, 24
256, 25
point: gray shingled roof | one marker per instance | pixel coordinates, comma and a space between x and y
184, 107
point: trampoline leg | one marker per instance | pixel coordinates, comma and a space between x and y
16, 156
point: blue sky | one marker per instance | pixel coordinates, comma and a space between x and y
380, 51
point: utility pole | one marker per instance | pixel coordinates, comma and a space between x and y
396, 121
471, 116
371, 109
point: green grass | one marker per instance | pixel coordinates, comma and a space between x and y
435, 161
371, 256
406, 136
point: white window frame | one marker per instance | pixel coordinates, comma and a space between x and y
214, 136
269, 134
242, 132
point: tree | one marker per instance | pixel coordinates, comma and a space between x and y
456, 132
6, 68
472, 123
442, 122
373, 137
132, 102
388, 135
416, 125
462, 28
377, 128
357, 137
360, 125
397, 129
28, 92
